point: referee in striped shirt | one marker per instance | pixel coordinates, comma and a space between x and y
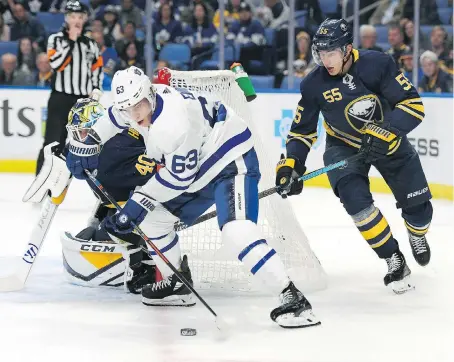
77, 66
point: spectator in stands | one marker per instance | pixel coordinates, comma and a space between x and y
439, 40
409, 29
162, 64
277, 15
428, 12
166, 29
187, 11
396, 40
26, 56
303, 62
129, 35
314, 12
130, 12
112, 27
130, 57
44, 74
26, 25
434, 80
249, 34
4, 30
447, 65
368, 38
109, 57
388, 12
10, 75
205, 35
96, 9
406, 65
231, 13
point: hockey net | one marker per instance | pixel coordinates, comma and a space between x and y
212, 264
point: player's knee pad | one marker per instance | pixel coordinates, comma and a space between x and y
252, 250
353, 191
97, 263
417, 218
375, 230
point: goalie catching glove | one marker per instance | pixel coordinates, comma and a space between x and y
378, 142
288, 171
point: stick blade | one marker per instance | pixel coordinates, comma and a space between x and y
11, 283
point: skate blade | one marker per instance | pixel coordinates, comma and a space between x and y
304, 320
170, 301
402, 286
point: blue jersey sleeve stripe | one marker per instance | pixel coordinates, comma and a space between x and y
113, 120
158, 109
222, 151
168, 247
262, 261
169, 185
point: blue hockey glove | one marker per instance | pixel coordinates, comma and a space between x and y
288, 170
82, 156
378, 142
134, 211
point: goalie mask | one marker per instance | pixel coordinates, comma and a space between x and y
82, 117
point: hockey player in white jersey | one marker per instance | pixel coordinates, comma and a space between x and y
207, 157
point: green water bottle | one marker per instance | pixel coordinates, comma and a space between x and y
243, 81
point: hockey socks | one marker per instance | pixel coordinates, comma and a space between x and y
376, 231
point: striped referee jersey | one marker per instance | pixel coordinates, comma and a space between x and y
77, 64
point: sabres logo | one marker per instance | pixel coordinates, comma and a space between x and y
364, 110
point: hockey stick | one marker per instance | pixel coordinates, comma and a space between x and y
17, 280
219, 322
272, 190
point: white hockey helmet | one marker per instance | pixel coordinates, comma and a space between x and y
130, 86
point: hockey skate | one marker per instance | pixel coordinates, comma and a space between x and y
420, 248
170, 291
295, 310
398, 276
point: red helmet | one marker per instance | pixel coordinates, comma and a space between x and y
163, 76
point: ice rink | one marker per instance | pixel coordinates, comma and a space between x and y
362, 321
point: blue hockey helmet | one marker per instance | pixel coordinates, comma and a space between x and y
332, 34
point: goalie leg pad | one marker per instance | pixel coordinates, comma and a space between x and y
244, 237
95, 263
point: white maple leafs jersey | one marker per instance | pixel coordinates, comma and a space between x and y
193, 136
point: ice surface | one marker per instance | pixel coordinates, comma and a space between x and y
362, 321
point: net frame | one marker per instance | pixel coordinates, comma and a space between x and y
212, 264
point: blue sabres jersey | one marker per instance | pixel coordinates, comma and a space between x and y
123, 165
373, 90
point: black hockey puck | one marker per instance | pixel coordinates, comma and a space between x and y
188, 332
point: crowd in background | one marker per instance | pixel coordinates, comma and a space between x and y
255, 32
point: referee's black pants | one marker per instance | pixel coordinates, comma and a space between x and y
58, 109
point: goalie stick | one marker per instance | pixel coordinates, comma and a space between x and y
221, 325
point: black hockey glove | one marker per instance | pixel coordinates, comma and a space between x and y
288, 170
378, 142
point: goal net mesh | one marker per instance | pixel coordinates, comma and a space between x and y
212, 264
